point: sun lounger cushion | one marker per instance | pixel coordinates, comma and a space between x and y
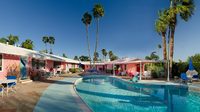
184, 76
11, 84
195, 76
11, 77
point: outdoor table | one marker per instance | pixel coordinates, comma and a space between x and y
7, 81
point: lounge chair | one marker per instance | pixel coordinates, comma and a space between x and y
123, 73
147, 74
135, 78
12, 85
195, 77
1, 90
184, 77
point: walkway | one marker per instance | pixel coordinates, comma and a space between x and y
61, 97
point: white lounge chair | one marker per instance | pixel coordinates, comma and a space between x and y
147, 74
1, 90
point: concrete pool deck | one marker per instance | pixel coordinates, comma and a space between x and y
61, 96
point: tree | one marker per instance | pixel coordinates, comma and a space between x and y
112, 56
84, 58
64, 55
76, 58
96, 56
28, 44
104, 53
110, 53
12, 39
3, 40
183, 8
98, 12
152, 56
86, 19
168, 21
51, 42
45, 39
161, 26
159, 47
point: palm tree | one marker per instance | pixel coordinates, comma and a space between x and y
98, 12
51, 42
12, 40
161, 26
110, 54
183, 8
104, 53
96, 56
28, 44
159, 47
76, 58
167, 21
86, 19
3, 40
64, 55
45, 39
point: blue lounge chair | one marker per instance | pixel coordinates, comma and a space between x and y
184, 77
195, 77
135, 78
13, 84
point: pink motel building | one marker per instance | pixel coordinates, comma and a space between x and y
27, 63
129, 66
17, 60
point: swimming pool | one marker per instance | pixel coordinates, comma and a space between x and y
111, 94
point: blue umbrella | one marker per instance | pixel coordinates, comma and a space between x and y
191, 67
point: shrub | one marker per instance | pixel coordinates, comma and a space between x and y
73, 70
109, 71
157, 69
178, 68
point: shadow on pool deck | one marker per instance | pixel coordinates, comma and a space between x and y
61, 97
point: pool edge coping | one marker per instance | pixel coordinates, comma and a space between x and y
74, 87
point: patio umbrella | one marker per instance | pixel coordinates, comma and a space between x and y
191, 67
191, 71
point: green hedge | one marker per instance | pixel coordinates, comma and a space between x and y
75, 70
109, 71
178, 68
157, 69
182, 67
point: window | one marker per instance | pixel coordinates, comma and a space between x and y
1, 62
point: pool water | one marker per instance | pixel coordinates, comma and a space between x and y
110, 94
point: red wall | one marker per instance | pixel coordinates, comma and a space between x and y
48, 65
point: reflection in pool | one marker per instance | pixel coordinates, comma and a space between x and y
109, 94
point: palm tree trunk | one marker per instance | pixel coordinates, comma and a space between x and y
88, 44
96, 45
51, 49
164, 52
46, 48
171, 49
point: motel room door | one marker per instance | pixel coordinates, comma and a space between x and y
23, 70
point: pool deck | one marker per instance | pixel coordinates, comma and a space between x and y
61, 96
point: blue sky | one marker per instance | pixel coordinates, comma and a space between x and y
127, 27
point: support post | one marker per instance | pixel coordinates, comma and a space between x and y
140, 70
113, 69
